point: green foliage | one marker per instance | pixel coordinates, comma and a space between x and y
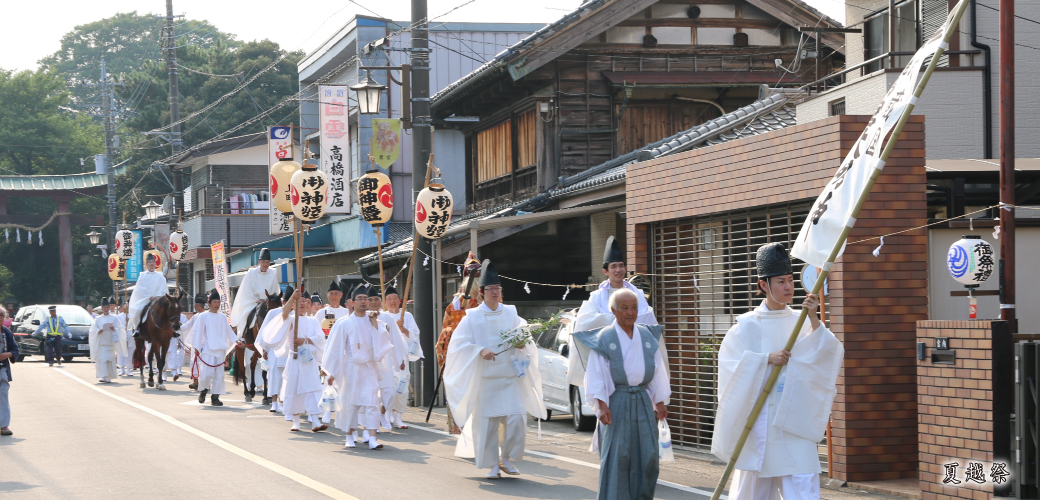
553, 324
6, 278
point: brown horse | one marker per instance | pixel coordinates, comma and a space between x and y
245, 370
162, 320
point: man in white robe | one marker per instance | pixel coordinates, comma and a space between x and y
409, 330
212, 339
490, 385
595, 313
151, 284
200, 304
256, 284
106, 337
780, 456
394, 365
124, 357
334, 309
274, 358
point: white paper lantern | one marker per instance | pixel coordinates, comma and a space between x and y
375, 197
124, 244
178, 245
281, 176
433, 211
328, 323
970, 260
116, 267
309, 193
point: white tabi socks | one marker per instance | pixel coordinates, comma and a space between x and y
494, 474
295, 422
509, 468
350, 441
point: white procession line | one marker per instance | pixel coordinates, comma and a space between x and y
263, 462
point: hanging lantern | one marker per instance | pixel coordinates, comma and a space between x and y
309, 193
281, 176
970, 260
116, 267
124, 244
375, 197
178, 245
327, 323
160, 265
433, 211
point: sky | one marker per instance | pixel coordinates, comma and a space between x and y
302, 24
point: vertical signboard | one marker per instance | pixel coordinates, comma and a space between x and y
279, 147
220, 277
135, 263
335, 145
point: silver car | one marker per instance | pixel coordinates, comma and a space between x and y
559, 396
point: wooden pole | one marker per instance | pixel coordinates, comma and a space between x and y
818, 286
298, 244
379, 245
1007, 164
415, 250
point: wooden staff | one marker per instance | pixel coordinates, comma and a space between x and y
415, 249
298, 244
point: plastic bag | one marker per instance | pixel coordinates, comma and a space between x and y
328, 399
664, 446
264, 364
520, 367
402, 385
304, 354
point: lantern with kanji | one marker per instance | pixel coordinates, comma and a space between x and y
970, 260
124, 248
309, 193
375, 197
327, 324
178, 245
281, 176
116, 267
433, 211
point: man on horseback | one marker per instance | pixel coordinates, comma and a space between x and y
151, 285
212, 339
256, 284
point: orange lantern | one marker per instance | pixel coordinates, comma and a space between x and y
375, 197
281, 177
116, 267
433, 211
309, 193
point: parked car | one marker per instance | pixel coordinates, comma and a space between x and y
29, 318
559, 396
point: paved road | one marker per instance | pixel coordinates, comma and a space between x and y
75, 438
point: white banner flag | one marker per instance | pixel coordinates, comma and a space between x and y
833, 209
279, 147
335, 145
220, 277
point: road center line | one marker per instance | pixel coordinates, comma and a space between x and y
263, 462
661, 482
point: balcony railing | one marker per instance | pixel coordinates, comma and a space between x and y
514, 186
862, 69
207, 226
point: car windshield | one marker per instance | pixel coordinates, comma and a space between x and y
74, 316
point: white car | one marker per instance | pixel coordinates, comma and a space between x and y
559, 396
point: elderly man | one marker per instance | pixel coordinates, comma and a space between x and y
151, 284
106, 339
256, 284
54, 328
781, 458
8, 355
595, 313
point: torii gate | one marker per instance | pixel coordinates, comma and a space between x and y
61, 188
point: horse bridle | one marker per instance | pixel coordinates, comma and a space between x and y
151, 317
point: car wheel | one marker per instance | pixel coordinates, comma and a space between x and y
68, 359
581, 422
548, 415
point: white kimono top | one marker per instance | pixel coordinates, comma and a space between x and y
595, 312
149, 284
411, 334
252, 289
106, 336
211, 334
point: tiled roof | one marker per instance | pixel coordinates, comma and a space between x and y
710, 78
57, 182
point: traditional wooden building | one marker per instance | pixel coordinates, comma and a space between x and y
616, 75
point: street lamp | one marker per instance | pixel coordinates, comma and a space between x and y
94, 237
151, 209
368, 94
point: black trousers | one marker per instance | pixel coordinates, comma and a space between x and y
53, 349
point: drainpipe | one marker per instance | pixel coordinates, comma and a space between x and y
987, 87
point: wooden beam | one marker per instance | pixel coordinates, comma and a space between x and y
702, 2
797, 16
705, 23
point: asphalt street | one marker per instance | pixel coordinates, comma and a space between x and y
75, 438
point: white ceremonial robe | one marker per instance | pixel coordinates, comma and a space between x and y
487, 395
149, 284
391, 366
125, 361
212, 339
107, 339
276, 356
336, 312
175, 355
595, 314
337, 363
368, 345
301, 378
413, 352
784, 437
252, 289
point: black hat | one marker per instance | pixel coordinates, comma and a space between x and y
214, 295
334, 287
289, 290
105, 302
390, 291
488, 274
316, 298
265, 254
120, 301
373, 291
612, 253
200, 298
773, 260
149, 257
361, 289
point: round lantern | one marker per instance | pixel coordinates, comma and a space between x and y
309, 193
178, 245
970, 260
124, 244
281, 176
433, 211
327, 323
116, 267
375, 197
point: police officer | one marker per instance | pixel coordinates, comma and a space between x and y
53, 329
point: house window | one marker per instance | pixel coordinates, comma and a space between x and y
876, 35
838, 108
495, 146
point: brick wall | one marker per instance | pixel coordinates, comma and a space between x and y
956, 407
875, 412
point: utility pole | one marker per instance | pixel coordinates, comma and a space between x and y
109, 158
175, 111
421, 141
1007, 163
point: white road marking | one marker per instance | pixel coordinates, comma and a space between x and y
590, 465
263, 462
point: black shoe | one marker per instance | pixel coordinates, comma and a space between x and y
175, 335
265, 401
136, 333
215, 401
202, 395
193, 386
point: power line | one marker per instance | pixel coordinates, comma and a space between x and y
208, 74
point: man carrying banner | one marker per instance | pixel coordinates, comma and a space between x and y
781, 458
251, 292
